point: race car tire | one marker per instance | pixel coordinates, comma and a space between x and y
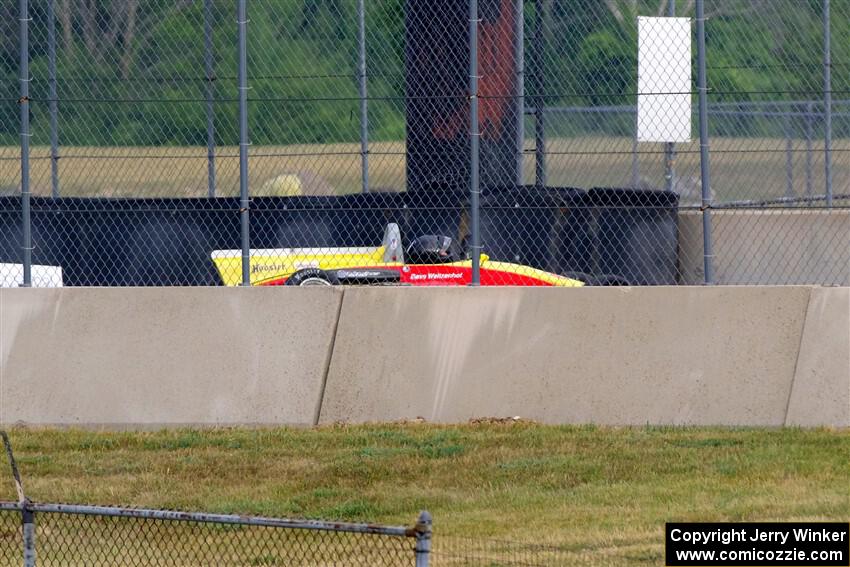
611, 280
309, 276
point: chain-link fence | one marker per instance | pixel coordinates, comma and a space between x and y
80, 535
512, 142
36, 533
95, 535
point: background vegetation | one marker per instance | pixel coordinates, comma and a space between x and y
151, 52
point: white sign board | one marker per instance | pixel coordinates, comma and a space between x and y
12, 275
664, 80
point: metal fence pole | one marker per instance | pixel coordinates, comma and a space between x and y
210, 77
539, 84
809, 134
423, 539
28, 525
669, 166
635, 179
27, 514
789, 155
827, 100
24, 102
669, 147
53, 103
474, 139
364, 102
244, 202
519, 54
708, 254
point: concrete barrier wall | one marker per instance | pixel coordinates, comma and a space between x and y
164, 356
820, 394
215, 356
659, 355
778, 247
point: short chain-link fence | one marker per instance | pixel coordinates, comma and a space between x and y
47, 534
412, 142
95, 535
81, 535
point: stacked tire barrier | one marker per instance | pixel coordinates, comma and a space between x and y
154, 242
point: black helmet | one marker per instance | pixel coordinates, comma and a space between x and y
432, 249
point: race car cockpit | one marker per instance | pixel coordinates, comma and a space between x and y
433, 249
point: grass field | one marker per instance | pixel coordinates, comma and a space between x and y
600, 494
742, 168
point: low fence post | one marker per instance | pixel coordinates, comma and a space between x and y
28, 519
27, 515
423, 539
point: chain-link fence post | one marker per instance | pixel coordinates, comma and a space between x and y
423, 539
669, 147
27, 515
28, 525
810, 118
519, 56
54, 103
708, 255
210, 93
364, 103
474, 139
24, 102
827, 102
244, 202
538, 86
635, 177
787, 130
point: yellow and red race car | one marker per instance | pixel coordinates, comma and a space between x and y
428, 261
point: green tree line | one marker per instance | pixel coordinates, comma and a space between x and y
131, 72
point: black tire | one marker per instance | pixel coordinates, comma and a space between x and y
309, 276
611, 280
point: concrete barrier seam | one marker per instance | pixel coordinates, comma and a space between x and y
797, 358
821, 395
328, 360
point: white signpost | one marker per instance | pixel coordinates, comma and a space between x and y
12, 275
664, 80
